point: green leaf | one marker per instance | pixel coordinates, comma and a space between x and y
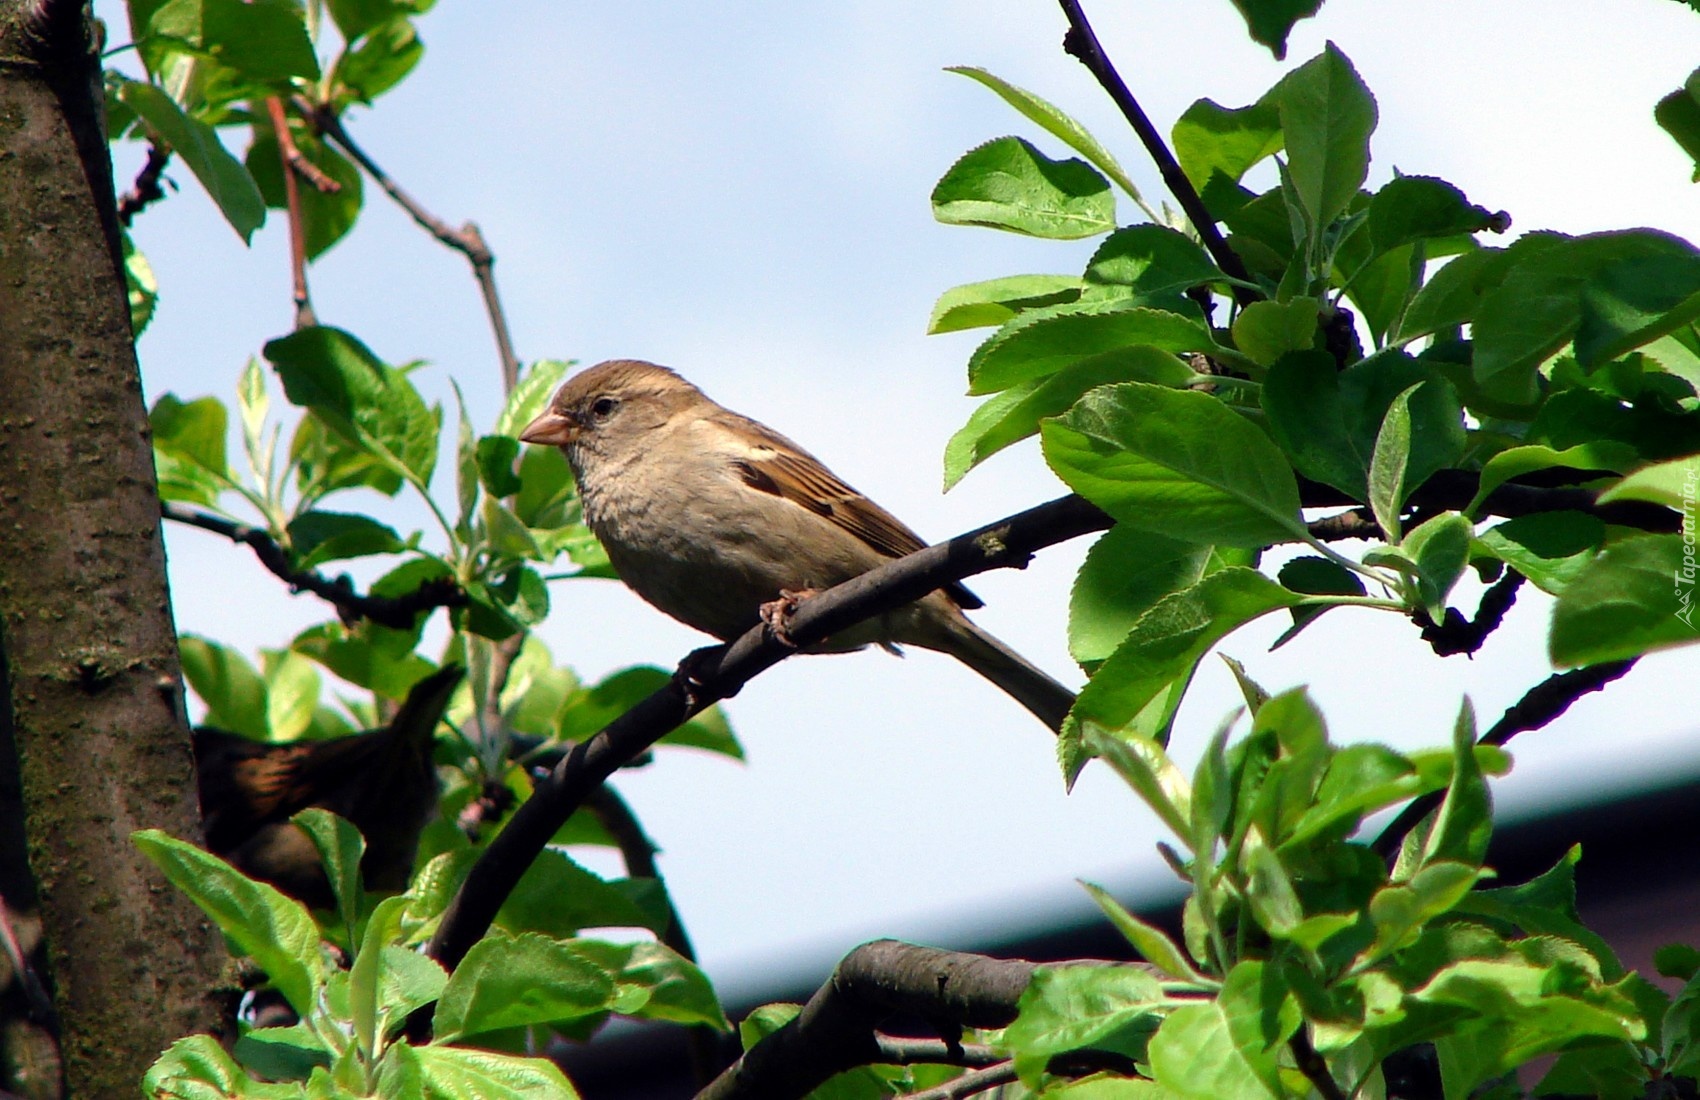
495, 456
340, 848
1037, 347
1217, 145
140, 287
1523, 1012
354, 18
1268, 330
281, 1053
292, 694
1055, 122
231, 688
1441, 548
1144, 766
1549, 548
589, 709
1401, 911
378, 63
1068, 1008
317, 537
326, 216
518, 981
1008, 184
1387, 465
1014, 414
1126, 572
1679, 115
275, 931
1464, 822
1327, 116
362, 399
1178, 462
197, 1068
368, 655
1153, 945
457, 1071
228, 183
1270, 21
264, 40
1151, 259
1315, 577
654, 982
1224, 1048
1609, 292
1164, 646
1636, 596
1327, 420
976, 305
1513, 462
558, 897
1414, 208
1674, 484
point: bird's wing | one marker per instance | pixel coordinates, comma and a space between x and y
778, 466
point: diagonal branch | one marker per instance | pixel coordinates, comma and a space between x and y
467, 240
836, 1029
304, 317
716, 673
1082, 43
1539, 705
146, 190
395, 612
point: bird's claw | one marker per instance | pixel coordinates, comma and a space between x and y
776, 614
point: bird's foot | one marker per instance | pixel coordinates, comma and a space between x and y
776, 614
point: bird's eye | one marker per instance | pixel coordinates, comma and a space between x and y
602, 407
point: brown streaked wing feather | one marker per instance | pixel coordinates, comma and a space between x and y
790, 473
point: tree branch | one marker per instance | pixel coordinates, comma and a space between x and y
467, 240
980, 1080
395, 612
1081, 42
895, 1051
146, 190
835, 1030
1313, 1065
304, 317
712, 674
1539, 706
1457, 634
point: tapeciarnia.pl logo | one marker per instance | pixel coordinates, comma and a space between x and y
1686, 570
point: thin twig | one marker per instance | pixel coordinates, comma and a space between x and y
1456, 634
835, 1031
1357, 523
395, 612
712, 674
304, 317
977, 1081
895, 1051
146, 190
467, 240
1314, 1066
1081, 42
1539, 705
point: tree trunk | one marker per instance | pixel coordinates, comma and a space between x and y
85, 620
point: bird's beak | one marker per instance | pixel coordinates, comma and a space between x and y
551, 428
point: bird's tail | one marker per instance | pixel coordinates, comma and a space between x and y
1049, 701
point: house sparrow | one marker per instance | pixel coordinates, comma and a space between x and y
709, 516
382, 780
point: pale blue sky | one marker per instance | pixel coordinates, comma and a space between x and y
740, 191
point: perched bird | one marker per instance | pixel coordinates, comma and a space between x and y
711, 517
382, 780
